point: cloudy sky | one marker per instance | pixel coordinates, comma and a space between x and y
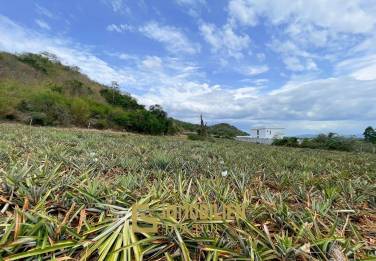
308, 66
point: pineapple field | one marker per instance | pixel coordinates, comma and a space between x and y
68, 194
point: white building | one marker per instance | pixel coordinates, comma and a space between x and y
263, 135
267, 133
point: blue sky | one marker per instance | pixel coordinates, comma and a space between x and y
308, 66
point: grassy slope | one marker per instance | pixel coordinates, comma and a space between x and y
21, 81
300, 203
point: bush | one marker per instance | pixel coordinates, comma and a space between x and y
39, 118
36, 61
121, 118
56, 88
286, 141
194, 136
10, 116
76, 88
114, 97
55, 106
322, 141
80, 111
99, 110
99, 124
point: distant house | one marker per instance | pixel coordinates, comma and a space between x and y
267, 133
264, 135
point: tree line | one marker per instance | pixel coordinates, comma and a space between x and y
333, 141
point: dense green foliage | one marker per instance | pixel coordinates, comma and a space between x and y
38, 89
67, 195
286, 141
115, 98
327, 142
370, 135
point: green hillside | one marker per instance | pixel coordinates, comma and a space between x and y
225, 130
218, 130
37, 89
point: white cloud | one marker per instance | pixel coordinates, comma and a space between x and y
16, 39
331, 26
118, 6
242, 12
255, 70
120, 28
245, 93
293, 64
340, 16
42, 24
307, 35
44, 11
174, 39
125, 56
289, 48
325, 100
224, 40
260, 82
152, 62
293, 57
261, 57
192, 7
361, 68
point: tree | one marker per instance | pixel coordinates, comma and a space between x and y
50, 56
164, 121
80, 111
115, 89
158, 111
203, 131
369, 135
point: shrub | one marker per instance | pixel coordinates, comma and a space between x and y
39, 118
322, 141
36, 61
99, 110
54, 105
10, 116
287, 141
56, 88
114, 97
121, 118
194, 136
80, 111
76, 88
99, 123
